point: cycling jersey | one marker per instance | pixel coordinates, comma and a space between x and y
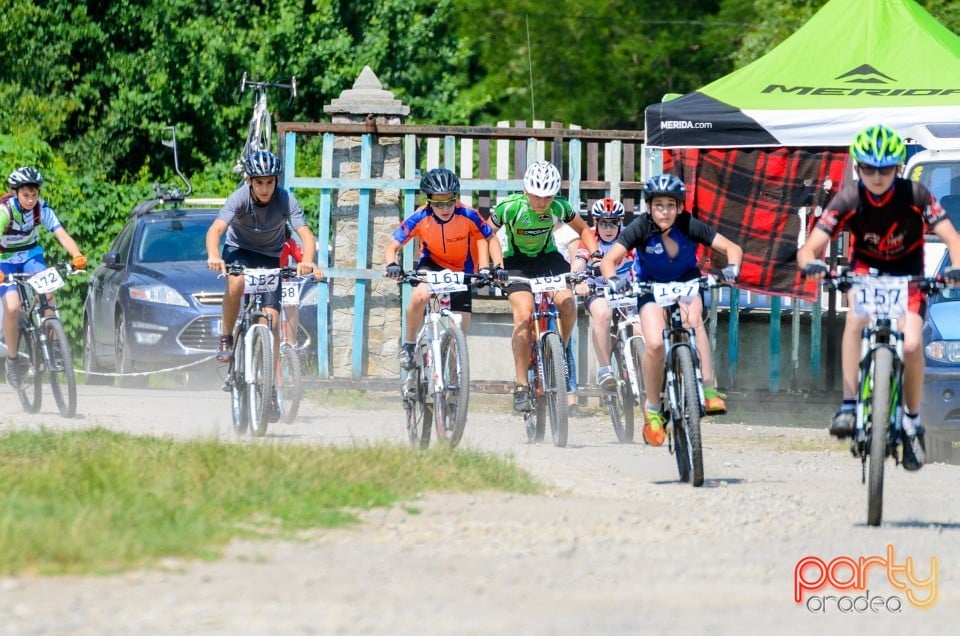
625, 268
290, 254
654, 262
19, 229
260, 229
449, 244
886, 232
527, 232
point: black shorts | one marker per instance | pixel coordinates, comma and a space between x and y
549, 264
237, 256
459, 301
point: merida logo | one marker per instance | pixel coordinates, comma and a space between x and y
861, 80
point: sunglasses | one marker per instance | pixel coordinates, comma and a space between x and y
608, 224
447, 203
869, 171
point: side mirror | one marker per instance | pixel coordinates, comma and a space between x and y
112, 260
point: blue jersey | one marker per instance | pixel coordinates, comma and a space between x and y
655, 264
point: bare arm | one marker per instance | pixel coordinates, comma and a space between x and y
731, 250
608, 266
214, 259
813, 248
308, 263
67, 242
948, 234
495, 250
586, 234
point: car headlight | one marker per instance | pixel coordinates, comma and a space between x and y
943, 350
161, 294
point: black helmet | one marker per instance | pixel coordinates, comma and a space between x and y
439, 180
25, 176
664, 185
261, 163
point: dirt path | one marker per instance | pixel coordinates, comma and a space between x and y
616, 547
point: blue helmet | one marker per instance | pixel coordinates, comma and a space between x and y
664, 185
878, 146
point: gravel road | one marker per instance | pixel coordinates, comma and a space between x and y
617, 545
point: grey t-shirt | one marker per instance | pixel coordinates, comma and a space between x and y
260, 229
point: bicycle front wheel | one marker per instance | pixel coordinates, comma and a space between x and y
239, 397
621, 402
63, 382
28, 359
289, 386
450, 405
877, 431
261, 386
689, 396
555, 387
419, 411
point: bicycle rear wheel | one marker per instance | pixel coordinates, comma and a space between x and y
636, 352
28, 359
877, 431
261, 361
63, 382
555, 387
289, 386
239, 397
450, 405
689, 396
621, 402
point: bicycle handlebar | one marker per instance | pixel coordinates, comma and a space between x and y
844, 280
414, 278
260, 86
66, 268
286, 273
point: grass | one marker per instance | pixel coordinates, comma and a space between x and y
100, 501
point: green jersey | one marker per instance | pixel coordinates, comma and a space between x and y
529, 233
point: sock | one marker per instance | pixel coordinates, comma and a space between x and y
849, 404
910, 423
655, 409
603, 370
407, 343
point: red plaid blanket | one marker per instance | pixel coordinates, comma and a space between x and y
753, 197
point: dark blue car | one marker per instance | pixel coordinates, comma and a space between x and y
940, 412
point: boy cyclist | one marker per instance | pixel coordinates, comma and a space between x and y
452, 236
666, 239
887, 217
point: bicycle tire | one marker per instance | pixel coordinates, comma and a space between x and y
450, 406
290, 384
690, 413
621, 402
239, 406
555, 387
419, 413
29, 392
261, 359
63, 381
636, 352
681, 450
877, 431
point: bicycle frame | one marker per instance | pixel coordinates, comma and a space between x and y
626, 322
675, 336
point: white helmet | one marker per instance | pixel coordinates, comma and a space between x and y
542, 179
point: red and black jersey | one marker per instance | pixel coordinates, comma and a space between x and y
886, 232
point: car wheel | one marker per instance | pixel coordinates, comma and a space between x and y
90, 367
125, 361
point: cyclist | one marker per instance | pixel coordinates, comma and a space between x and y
528, 219
666, 239
253, 218
452, 236
22, 212
608, 222
290, 255
887, 217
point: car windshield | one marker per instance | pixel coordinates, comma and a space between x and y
942, 179
950, 293
174, 240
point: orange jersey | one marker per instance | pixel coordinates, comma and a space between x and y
450, 244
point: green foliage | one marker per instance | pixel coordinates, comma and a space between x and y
96, 500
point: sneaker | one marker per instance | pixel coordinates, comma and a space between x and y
406, 356
653, 427
225, 350
914, 450
273, 410
606, 380
13, 373
714, 403
844, 424
522, 402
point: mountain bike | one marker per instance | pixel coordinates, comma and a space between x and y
260, 128
547, 372
289, 381
42, 344
627, 346
879, 410
681, 390
250, 375
437, 390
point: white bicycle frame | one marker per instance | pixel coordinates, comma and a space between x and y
628, 320
433, 327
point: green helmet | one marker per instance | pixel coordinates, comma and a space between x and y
878, 146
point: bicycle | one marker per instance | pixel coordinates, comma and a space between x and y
43, 342
627, 346
547, 370
681, 390
437, 389
289, 380
259, 130
882, 299
250, 375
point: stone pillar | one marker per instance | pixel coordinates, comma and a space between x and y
365, 101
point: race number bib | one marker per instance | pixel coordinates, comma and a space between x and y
666, 294
260, 280
548, 283
445, 282
47, 281
883, 297
290, 293
622, 302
